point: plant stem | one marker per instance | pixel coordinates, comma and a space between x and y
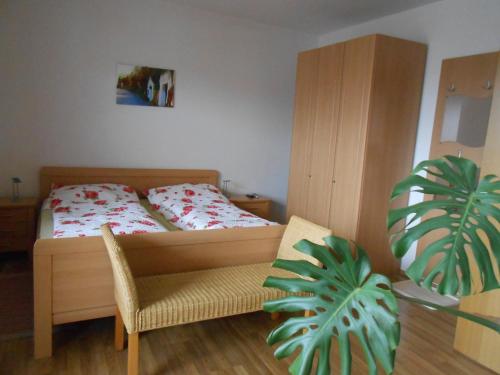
461, 314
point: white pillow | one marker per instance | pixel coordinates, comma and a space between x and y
90, 193
200, 194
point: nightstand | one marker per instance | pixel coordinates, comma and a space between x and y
17, 224
257, 206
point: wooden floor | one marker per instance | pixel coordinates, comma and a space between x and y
226, 346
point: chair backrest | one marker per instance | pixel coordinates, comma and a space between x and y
125, 289
299, 229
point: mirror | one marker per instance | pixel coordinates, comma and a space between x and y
466, 120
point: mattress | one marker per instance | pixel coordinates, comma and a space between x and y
46, 222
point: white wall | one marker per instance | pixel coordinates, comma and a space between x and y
450, 28
234, 94
235, 83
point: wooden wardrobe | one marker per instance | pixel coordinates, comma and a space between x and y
356, 113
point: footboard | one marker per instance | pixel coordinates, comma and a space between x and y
73, 279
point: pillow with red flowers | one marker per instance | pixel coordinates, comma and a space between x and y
199, 194
90, 193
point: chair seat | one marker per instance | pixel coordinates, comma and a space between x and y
167, 300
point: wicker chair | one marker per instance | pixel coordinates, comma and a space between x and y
153, 302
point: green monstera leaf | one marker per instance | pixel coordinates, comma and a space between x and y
345, 299
467, 209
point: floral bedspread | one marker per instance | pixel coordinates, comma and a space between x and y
85, 219
201, 206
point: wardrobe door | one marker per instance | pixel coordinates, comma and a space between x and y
306, 97
351, 136
390, 142
324, 132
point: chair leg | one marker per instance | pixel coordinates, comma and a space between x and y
275, 316
133, 354
119, 331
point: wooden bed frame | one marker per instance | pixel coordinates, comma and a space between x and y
72, 276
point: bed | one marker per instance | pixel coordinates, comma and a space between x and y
72, 276
46, 226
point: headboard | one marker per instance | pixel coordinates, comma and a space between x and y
139, 179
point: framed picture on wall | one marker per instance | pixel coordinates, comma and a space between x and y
145, 86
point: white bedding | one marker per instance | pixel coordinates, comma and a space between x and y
85, 219
202, 206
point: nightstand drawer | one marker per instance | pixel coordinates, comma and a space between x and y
13, 215
17, 229
257, 206
17, 224
14, 244
258, 210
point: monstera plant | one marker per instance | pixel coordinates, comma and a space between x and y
346, 300
465, 209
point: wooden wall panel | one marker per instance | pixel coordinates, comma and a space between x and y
393, 117
468, 75
351, 135
479, 343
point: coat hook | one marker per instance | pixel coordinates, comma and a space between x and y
488, 85
451, 87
